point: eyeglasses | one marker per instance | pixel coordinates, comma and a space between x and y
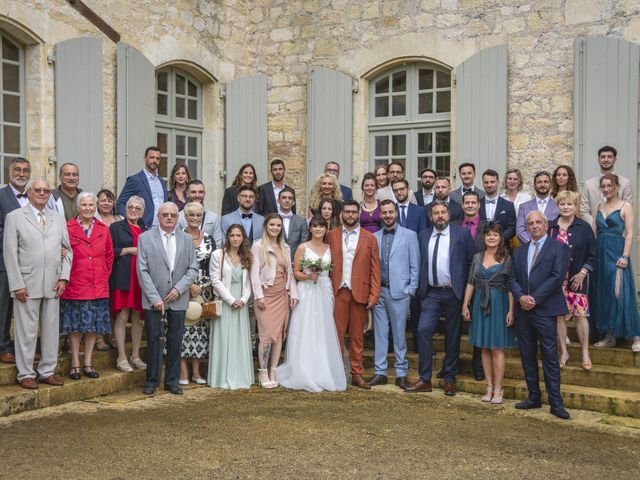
167, 215
133, 208
40, 190
21, 170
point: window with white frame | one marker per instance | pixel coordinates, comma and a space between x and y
178, 121
11, 103
410, 119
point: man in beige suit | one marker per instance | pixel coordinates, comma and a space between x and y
38, 274
591, 196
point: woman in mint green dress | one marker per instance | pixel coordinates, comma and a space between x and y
230, 359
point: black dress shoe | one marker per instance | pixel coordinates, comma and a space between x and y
560, 412
478, 375
174, 389
149, 389
528, 404
402, 383
440, 374
378, 380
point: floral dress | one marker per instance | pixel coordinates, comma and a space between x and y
577, 303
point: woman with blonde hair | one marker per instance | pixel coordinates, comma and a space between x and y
326, 187
274, 293
512, 184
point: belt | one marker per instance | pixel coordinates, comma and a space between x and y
441, 287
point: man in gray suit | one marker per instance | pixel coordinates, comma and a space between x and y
245, 216
467, 173
210, 221
12, 197
38, 275
166, 268
294, 226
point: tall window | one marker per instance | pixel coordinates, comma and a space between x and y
11, 103
410, 119
178, 120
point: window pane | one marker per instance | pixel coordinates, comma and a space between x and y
162, 81
425, 143
180, 106
11, 139
399, 105
382, 146
442, 166
162, 168
425, 103
424, 162
193, 90
192, 146
443, 79
180, 84
399, 82
162, 107
382, 107
161, 142
425, 79
10, 51
443, 142
180, 145
6, 161
11, 108
382, 86
192, 109
443, 102
192, 165
399, 145
11, 77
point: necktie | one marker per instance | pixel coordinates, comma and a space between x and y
536, 250
247, 215
434, 263
542, 204
170, 250
42, 220
468, 223
403, 215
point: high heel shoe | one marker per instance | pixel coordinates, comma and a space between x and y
272, 373
74, 373
488, 396
90, 372
497, 396
263, 378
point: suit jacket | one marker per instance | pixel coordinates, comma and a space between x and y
365, 272
298, 233
139, 185
416, 217
582, 247
35, 262
455, 212
591, 197
257, 222
420, 197
550, 211
404, 262
461, 251
221, 279
154, 274
121, 237
210, 224
456, 194
8, 203
229, 201
347, 193
544, 282
267, 201
505, 215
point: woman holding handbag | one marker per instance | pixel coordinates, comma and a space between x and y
230, 360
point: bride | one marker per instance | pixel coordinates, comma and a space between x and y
313, 361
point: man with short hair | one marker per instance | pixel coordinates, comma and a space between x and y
399, 273
63, 199
495, 208
210, 220
395, 171
244, 215
426, 195
38, 275
541, 202
148, 185
410, 215
167, 266
294, 227
539, 269
12, 197
334, 169
268, 192
467, 173
441, 188
591, 195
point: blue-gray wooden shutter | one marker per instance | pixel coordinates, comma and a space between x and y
135, 103
246, 126
329, 123
78, 101
481, 110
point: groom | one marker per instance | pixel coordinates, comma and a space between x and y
355, 278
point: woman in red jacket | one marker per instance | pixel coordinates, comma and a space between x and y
84, 309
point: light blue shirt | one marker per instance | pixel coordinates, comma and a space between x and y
157, 194
532, 249
444, 274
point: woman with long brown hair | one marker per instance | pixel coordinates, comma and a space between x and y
246, 176
563, 178
178, 181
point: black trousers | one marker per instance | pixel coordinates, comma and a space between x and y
175, 331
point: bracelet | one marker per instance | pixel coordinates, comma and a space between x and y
626, 257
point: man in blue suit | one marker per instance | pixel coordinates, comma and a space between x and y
399, 269
442, 187
446, 252
244, 215
539, 269
495, 208
148, 185
410, 215
334, 169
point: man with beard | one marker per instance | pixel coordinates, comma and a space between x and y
395, 171
441, 188
268, 192
211, 222
426, 195
495, 208
410, 216
446, 252
541, 202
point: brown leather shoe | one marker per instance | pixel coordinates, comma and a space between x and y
29, 383
402, 383
358, 381
420, 386
54, 380
7, 357
449, 389
378, 380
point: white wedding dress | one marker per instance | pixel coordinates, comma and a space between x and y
313, 360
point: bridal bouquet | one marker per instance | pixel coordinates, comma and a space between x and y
315, 266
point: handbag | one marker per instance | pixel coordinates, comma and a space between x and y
210, 310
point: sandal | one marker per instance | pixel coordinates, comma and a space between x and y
273, 382
497, 396
263, 378
488, 396
74, 373
102, 346
91, 373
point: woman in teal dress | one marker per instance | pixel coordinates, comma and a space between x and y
230, 359
491, 313
614, 287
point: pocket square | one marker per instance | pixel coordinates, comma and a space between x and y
503, 211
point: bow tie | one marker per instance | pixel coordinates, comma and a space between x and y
490, 202
22, 195
247, 215
465, 190
286, 215
389, 232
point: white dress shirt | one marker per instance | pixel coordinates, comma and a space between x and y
22, 200
169, 242
444, 274
542, 203
157, 194
286, 221
490, 206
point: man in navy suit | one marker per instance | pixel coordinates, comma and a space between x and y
334, 169
495, 208
244, 215
410, 215
268, 192
539, 269
446, 252
442, 187
148, 185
